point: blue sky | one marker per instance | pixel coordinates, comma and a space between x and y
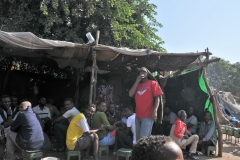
194, 25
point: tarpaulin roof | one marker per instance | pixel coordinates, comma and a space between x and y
26, 44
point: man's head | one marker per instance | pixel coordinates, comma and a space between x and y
68, 103
5, 101
50, 100
111, 107
207, 116
24, 105
101, 106
156, 147
143, 72
167, 110
190, 111
14, 101
128, 111
42, 102
90, 110
182, 115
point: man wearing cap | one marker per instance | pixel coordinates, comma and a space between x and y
146, 92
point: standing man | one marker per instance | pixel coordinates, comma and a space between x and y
146, 91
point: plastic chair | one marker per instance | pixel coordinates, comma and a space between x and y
101, 149
211, 148
236, 134
123, 152
73, 153
230, 132
30, 155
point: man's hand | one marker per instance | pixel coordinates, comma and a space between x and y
103, 127
185, 137
154, 115
139, 78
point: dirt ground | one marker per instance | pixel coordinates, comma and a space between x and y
228, 148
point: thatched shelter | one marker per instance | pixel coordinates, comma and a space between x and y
123, 62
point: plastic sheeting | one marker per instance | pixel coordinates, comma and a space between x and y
229, 109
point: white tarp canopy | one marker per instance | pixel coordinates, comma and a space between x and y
26, 44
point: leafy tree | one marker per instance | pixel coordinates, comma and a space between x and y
225, 76
123, 23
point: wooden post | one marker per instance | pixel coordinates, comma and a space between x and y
95, 70
93, 89
92, 77
77, 89
220, 144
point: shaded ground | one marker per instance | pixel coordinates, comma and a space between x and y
228, 147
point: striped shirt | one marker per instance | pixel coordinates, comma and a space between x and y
42, 113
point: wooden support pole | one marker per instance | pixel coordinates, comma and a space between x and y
93, 84
220, 144
95, 69
92, 78
77, 89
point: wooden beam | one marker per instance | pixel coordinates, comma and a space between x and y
196, 65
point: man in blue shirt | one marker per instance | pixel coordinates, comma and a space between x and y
25, 132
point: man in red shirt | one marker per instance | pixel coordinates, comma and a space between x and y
146, 92
182, 136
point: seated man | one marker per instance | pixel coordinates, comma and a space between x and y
25, 132
53, 109
168, 119
191, 121
6, 117
156, 147
60, 124
14, 105
44, 114
207, 133
182, 136
126, 136
79, 137
113, 115
89, 118
99, 118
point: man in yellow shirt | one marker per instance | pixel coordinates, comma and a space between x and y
79, 137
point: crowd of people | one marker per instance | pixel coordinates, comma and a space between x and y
101, 124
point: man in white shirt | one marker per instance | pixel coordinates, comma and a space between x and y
126, 136
168, 119
44, 114
191, 121
60, 124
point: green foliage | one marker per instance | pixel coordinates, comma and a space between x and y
225, 76
122, 23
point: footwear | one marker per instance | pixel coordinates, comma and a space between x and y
191, 156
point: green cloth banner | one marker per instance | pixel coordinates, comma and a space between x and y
208, 104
